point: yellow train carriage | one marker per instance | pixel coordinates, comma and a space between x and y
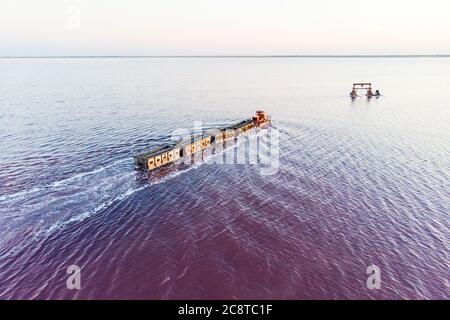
170, 153
219, 138
157, 157
229, 134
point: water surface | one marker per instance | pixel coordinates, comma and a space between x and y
359, 183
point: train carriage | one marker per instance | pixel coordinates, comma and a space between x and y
167, 154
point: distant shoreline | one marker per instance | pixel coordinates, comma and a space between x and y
228, 56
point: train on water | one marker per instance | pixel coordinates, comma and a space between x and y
164, 155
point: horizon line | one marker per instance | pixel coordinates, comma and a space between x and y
238, 56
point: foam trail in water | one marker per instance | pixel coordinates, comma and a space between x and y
87, 194
82, 216
130, 191
60, 182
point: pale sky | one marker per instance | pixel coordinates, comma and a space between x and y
209, 27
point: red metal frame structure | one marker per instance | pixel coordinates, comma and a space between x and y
362, 86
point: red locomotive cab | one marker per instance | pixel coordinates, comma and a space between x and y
260, 118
